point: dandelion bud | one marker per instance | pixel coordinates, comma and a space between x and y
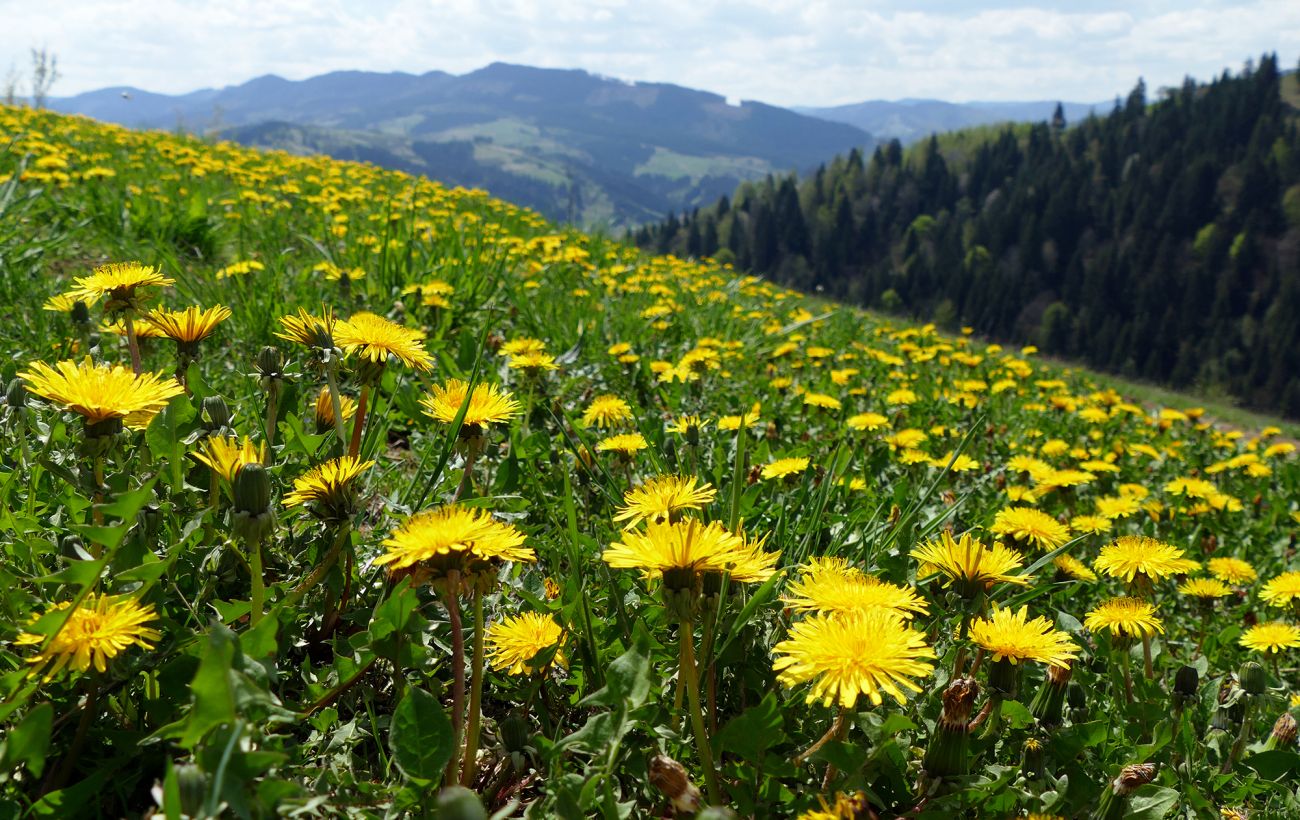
1031, 758
514, 732
80, 313
253, 517
1050, 701
459, 803
1004, 678
16, 394
1253, 678
1283, 735
670, 777
216, 412
1186, 681
949, 752
149, 518
270, 366
1231, 708
72, 547
193, 783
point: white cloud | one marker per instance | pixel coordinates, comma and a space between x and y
782, 51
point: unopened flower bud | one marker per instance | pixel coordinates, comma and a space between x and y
514, 731
1049, 703
1186, 681
216, 412
16, 394
270, 365
253, 517
670, 777
948, 754
1253, 678
80, 313
459, 803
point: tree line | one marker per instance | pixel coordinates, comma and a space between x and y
1160, 241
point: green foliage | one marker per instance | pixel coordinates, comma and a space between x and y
284, 670
1165, 229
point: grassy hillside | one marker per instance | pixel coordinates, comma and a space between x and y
575, 146
453, 496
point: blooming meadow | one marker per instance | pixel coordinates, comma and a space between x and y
332, 491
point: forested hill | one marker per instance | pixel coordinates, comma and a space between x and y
1161, 241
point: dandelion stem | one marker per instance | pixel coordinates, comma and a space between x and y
1147, 666
831, 734
686, 637
1128, 675
272, 410
259, 585
451, 598
78, 740
467, 476
132, 343
359, 421
331, 379
310, 582
475, 697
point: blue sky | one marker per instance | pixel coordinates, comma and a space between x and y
786, 52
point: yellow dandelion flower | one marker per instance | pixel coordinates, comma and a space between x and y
867, 421
96, 632
1205, 588
1232, 570
1030, 526
117, 284
1091, 524
324, 410
1124, 617
873, 652
968, 563
784, 467
533, 361
488, 404
688, 425
1074, 568
453, 538
329, 487
1130, 556
522, 345
189, 326
1013, 636
606, 411
102, 393
845, 807
663, 498
1281, 590
626, 444
1114, 507
908, 439
373, 338
831, 585
681, 545
306, 329
512, 643
226, 456
822, 400
1271, 637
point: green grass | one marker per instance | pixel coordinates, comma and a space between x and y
291, 667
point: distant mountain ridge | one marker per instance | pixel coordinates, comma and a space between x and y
911, 119
572, 144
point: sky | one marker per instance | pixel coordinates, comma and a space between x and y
784, 52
